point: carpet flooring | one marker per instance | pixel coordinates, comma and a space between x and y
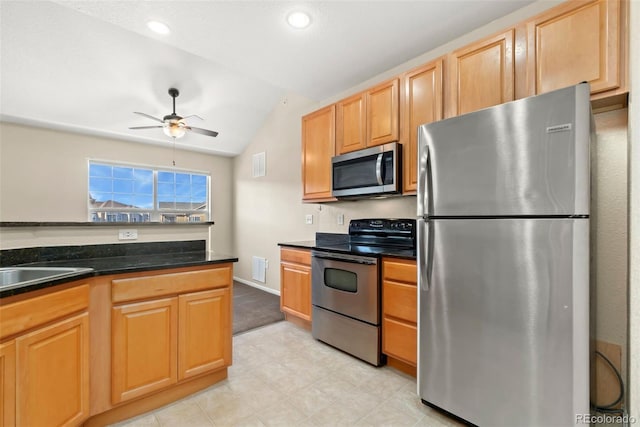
253, 308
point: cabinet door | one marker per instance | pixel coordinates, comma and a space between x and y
400, 340
382, 113
204, 332
144, 347
481, 75
52, 374
576, 42
318, 146
421, 102
351, 124
295, 294
8, 384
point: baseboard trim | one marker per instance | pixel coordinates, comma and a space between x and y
255, 285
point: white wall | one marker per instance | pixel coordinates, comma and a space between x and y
43, 177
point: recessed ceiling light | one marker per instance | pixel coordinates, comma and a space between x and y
158, 27
298, 20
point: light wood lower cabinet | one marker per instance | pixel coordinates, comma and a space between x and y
204, 331
144, 349
44, 360
399, 310
180, 330
8, 383
295, 283
52, 374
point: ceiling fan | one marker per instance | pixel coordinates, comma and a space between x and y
174, 125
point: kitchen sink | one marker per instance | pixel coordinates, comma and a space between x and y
15, 277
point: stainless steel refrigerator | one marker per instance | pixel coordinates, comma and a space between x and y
503, 261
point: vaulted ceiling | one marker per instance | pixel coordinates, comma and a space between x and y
88, 65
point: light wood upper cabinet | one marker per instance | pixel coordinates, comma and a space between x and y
368, 118
8, 384
420, 102
382, 113
318, 147
295, 282
204, 331
351, 123
52, 374
481, 74
143, 353
576, 42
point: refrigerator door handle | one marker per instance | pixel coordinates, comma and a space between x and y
425, 258
424, 198
379, 169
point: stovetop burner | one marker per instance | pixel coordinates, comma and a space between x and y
372, 237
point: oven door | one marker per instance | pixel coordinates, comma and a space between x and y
346, 284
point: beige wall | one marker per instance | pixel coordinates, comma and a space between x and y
43, 177
634, 215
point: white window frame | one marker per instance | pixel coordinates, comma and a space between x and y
156, 214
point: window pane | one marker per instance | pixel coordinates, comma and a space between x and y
143, 202
199, 180
122, 186
183, 178
166, 176
96, 169
166, 190
122, 172
143, 187
123, 200
100, 184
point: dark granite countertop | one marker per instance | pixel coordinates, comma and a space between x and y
128, 259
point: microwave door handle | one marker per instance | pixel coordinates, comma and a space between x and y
379, 169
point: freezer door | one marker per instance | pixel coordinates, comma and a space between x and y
527, 157
504, 319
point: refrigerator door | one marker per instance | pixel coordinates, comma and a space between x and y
527, 157
504, 321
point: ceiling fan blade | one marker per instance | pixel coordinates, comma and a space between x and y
192, 115
146, 127
202, 131
150, 117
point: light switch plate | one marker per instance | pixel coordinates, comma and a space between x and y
340, 219
308, 219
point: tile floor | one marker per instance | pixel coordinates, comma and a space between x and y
281, 376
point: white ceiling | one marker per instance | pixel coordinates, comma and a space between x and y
87, 65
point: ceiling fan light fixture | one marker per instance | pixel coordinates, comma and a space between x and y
299, 20
174, 129
158, 27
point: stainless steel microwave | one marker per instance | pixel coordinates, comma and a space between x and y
371, 172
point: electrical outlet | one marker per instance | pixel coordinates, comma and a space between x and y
127, 234
308, 219
340, 219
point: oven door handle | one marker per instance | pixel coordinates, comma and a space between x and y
358, 259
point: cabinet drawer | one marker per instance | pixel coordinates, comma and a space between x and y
23, 315
399, 340
400, 300
400, 270
170, 284
298, 256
